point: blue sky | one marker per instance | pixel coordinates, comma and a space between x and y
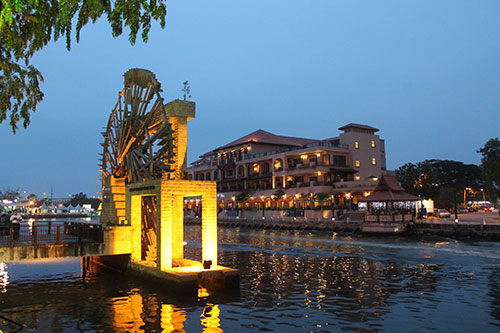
426, 73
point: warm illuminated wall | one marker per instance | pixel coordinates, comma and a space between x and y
134, 193
172, 219
113, 201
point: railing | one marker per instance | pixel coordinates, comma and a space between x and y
388, 218
310, 145
50, 233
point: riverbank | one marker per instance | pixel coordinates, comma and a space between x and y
479, 229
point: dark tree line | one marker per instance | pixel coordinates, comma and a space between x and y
445, 181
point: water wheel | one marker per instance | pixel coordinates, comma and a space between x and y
138, 144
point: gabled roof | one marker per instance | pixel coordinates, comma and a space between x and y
388, 189
389, 183
359, 126
261, 136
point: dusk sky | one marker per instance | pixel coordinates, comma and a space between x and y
426, 73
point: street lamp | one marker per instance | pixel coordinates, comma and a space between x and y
483, 195
262, 198
465, 195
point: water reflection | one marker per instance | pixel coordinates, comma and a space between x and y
290, 281
4, 277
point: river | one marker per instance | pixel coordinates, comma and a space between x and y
290, 282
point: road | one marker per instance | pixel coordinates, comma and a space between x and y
473, 218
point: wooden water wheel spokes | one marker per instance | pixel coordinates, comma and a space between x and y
138, 142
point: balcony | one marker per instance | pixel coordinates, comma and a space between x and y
284, 150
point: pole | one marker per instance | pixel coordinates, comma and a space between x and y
456, 212
263, 217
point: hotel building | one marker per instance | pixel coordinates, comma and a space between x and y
261, 163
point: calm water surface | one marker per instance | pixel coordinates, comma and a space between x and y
290, 282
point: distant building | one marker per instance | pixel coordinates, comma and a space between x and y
260, 163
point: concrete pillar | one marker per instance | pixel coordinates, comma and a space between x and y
179, 113
165, 230
178, 228
136, 226
209, 227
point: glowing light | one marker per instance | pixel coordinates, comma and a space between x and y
356, 177
303, 157
318, 154
4, 278
319, 173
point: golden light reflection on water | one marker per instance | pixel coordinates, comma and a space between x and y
4, 278
210, 319
129, 312
172, 318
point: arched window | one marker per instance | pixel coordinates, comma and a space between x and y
240, 171
207, 177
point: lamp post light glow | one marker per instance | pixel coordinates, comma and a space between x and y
465, 195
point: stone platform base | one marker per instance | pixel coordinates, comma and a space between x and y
178, 280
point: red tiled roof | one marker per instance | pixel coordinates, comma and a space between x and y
360, 126
389, 190
261, 136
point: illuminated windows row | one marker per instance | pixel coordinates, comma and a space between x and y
374, 162
356, 144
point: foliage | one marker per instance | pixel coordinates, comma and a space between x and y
9, 193
243, 195
490, 167
279, 193
321, 197
26, 26
79, 199
439, 180
32, 197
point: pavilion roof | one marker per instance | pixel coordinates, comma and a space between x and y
388, 189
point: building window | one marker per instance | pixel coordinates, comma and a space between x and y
357, 164
356, 144
339, 160
277, 165
373, 143
256, 168
374, 161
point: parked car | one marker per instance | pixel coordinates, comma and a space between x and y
463, 210
488, 209
443, 213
